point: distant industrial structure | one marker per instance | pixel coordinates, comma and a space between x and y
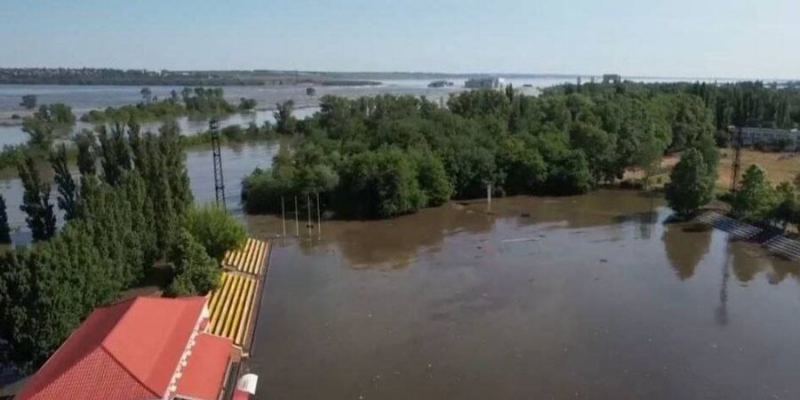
781, 139
440, 84
611, 79
485, 83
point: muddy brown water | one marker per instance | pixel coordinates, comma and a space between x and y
590, 297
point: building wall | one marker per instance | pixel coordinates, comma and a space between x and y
753, 136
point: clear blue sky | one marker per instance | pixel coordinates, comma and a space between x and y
680, 38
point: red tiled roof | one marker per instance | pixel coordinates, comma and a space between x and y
205, 370
124, 351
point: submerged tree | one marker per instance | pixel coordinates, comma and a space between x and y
147, 94
29, 101
285, 122
690, 185
785, 211
755, 196
40, 133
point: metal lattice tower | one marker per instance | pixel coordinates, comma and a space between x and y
219, 179
737, 160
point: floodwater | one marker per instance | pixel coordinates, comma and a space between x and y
14, 135
588, 297
85, 98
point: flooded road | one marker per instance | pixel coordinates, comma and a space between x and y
580, 297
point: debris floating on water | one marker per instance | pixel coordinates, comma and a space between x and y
530, 239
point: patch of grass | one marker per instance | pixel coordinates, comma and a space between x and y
779, 166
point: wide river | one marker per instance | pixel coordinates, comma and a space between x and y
588, 297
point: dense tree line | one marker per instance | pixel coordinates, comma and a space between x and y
752, 104
391, 155
130, 77
130, 210
197, 101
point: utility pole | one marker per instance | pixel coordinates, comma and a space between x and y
308, 212
296, 218
283, 217
319, 219
737, 160
219, 179
489, 198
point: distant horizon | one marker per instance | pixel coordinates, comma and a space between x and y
425, 72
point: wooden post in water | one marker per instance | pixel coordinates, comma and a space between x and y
283, 216
296, 218
489, 198
308, 212
319, 219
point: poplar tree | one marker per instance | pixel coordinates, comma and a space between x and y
36, 201
5, 231
67, 189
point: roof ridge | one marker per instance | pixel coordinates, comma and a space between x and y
112, 331
127, 371
119, 321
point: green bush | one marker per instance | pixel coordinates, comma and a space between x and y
215, 229
193, 270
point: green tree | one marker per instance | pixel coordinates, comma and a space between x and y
29, 101
5, 230
692, 123
432, 178
690, 185
87, 157
284, 120
755, 196
147, 94
67, 189
522, 165
174, 159
648, 157
36, 201
216, 230
598, 146
115, 153
58, 114
40, 133
247, 104
193, 270
380, 183
785, 210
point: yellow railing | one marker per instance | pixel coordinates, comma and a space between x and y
249, 259
231, 306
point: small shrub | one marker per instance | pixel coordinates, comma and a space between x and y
217, 231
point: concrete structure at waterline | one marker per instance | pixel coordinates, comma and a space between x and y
489, 82
787, 140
